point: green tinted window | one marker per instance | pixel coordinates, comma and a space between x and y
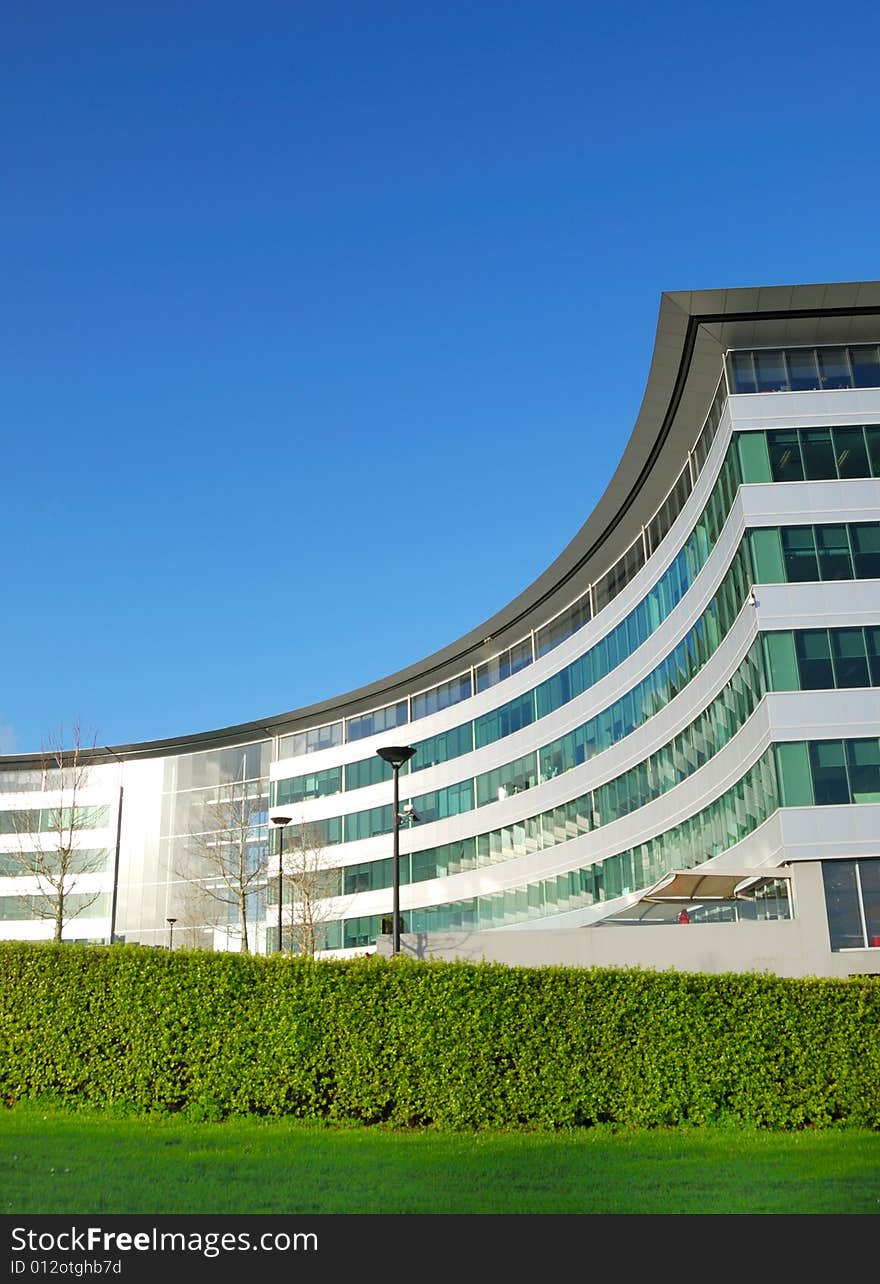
869, 878
872, 440
850, 452
316, 784
767, 556
793, 768
512, 778
842, 904
367, 824
504, 721
368, 771
835, 562
781, 662
814, 660
872, 642
754, 460
850, 659
866, 550
785, 456
828, 767
863, 759
446, 745
818, 454
451, 801
799, 554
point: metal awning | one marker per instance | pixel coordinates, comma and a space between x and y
708, 885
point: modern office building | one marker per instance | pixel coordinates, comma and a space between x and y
692, 685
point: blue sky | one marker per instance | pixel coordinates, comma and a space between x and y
277, 277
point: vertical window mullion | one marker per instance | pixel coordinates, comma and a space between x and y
861, 904
852, 555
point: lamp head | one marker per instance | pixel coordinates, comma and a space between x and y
396, 755
281, 820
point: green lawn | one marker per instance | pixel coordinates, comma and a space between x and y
87, 1163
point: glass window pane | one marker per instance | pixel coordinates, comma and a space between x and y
754, 461
835, 562
704, 441
486, 675
767, 556
317, 784
564, 625
842, 904
661, 522
872, 438
866, 366
785, 456
370, 724
863, 759
770, 371
505, 720
368, 771
814, 660
869, 880
866, 550
872, 641
442, 696
742, 372
607, 588
834, 368
311, 741
799, 554
803, 373
793, 769
782, 668
504, 665
444, 746
850, 660
828, 770
521, 655
850, 452
818, 453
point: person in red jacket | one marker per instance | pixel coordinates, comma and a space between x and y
684, 916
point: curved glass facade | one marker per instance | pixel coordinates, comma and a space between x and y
640, 710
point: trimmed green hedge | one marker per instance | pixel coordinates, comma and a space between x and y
448, 1045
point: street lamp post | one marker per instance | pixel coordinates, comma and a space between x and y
280, 821
396, 756
171, 922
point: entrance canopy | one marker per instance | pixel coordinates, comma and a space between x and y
709, 885
716, 895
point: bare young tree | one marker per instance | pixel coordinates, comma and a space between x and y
51, 833
310, 880
226, 849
